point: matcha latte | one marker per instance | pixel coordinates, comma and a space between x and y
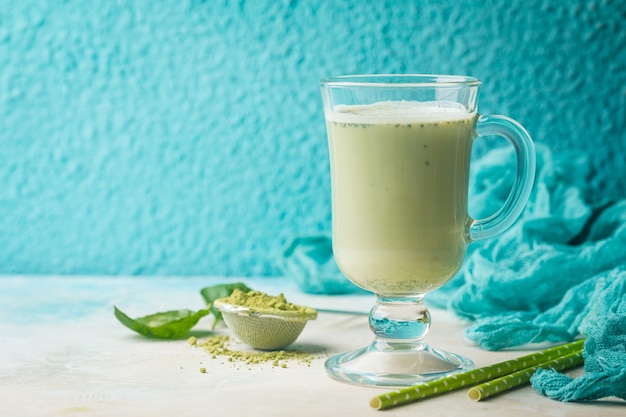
399, 182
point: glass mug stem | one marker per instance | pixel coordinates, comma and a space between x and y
401, 319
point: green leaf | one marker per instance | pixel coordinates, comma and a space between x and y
210, 294
172, 324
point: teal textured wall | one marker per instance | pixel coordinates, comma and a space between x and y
186, 137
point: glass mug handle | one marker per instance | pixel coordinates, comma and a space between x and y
515, 133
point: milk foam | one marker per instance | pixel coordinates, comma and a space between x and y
399, 112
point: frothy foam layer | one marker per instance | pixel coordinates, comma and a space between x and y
399, 112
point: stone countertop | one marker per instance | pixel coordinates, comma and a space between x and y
63, 353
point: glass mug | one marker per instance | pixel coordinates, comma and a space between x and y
400, 148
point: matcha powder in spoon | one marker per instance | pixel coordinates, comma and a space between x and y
257, 300
218, 345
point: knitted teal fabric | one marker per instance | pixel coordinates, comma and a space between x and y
309, 261
558, 274
535, 283
605, 366
583, 307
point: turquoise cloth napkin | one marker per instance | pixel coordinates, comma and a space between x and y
309, 261
605, 369
582, 308
558, 274
509, 284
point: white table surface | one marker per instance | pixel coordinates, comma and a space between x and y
63, 353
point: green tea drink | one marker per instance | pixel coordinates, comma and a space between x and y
400, 182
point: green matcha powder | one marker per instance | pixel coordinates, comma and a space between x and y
217, 345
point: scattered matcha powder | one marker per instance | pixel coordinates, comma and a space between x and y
216, 346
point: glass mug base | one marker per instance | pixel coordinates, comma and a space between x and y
383, 364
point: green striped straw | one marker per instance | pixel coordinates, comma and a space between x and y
507, 382
473, 377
